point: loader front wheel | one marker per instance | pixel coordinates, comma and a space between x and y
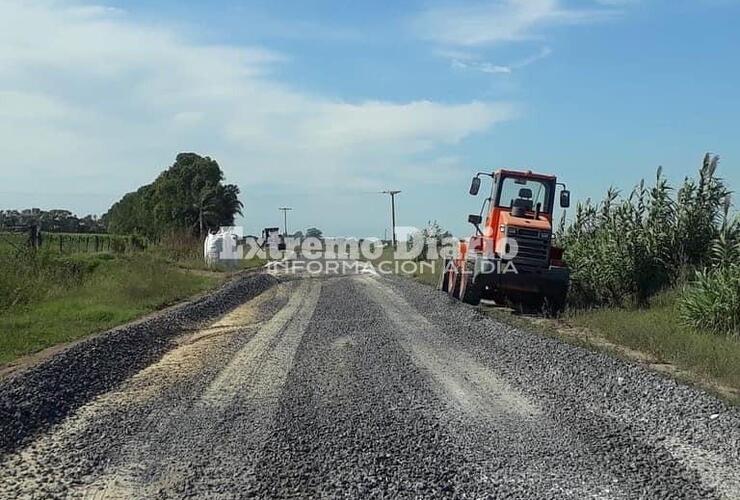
470, 291
554, 305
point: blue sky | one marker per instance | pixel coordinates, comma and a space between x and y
321, 104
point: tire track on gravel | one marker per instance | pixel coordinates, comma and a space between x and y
132, 429
208, 443
580, 393
359, 417
524, 437
351, 422
472, 386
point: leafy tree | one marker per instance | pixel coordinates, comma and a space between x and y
431, 232
313, 232
188, 196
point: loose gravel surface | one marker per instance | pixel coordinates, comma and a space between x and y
47, 392
360, 385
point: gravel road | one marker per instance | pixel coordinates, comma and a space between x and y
360, 385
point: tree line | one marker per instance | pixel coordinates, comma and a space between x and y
52, 221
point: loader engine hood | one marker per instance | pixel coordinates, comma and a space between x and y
541, 224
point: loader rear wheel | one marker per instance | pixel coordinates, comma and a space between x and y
470, 292
453, 283
444, 277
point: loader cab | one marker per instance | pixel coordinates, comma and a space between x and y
524, 194
519, 200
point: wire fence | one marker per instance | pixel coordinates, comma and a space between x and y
69, 243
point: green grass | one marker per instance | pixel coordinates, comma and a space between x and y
658, 331
106, 291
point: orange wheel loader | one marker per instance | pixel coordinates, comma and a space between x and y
511, 255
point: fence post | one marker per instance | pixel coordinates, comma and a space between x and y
34, 236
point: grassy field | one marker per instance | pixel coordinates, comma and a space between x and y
110, 290
50, 297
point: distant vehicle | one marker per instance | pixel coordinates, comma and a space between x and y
273, 239
512, 255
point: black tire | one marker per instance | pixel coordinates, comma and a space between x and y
443, 284
554, 305
453, 284
470, 291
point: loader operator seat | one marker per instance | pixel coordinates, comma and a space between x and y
525, 199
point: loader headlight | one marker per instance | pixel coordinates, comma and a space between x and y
510, 231
545, 235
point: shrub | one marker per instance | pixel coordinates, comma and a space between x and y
181, 246
623, 251
712, 302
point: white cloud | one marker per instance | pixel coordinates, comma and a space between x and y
86, 91
500, 21
482, 66
471, 63
523, 63
617, 3
455, 54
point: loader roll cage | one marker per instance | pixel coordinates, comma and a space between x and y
524, 190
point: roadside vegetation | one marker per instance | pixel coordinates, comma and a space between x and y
47, 298
623, 251
184, 250
659, 332
659, 271
58, 286
656, 271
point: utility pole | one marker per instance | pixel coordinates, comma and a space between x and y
393, 212
285, 219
